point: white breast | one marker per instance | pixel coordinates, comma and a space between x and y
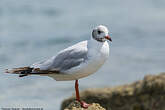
97, 57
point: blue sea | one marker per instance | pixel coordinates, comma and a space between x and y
34, 30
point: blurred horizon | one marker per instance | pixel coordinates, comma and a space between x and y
31, 31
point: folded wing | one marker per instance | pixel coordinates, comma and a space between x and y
65, 59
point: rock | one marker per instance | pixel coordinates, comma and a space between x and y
146, 94
75, 105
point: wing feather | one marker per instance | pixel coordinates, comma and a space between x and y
65, 59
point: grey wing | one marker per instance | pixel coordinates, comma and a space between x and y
69, 59
66, 59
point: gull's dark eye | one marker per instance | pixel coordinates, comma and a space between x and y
99, 32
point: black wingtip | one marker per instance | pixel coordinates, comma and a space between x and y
22, 75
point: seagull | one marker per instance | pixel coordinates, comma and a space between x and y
74, 62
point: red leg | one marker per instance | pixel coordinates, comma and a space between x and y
77, 91
83, 104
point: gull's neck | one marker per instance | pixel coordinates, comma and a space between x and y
95, 44
94, 47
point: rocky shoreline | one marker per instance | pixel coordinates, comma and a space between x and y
75, 105
146, 94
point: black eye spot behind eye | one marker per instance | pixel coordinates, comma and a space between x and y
99, 32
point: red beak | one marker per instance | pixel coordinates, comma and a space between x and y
108, 37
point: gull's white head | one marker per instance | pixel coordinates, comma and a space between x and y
100, 33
